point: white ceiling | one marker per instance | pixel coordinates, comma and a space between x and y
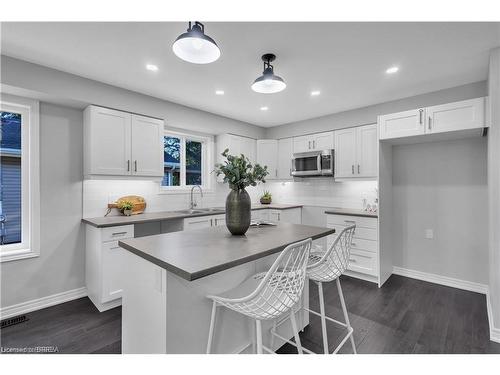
346, 61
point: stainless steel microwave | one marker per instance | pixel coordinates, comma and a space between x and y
313, 163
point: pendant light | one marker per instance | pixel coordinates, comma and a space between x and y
196, 47
268, 82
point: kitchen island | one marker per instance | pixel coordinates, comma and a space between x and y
168, 276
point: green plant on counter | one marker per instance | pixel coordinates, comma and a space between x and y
126, 205
239, 172
267, 195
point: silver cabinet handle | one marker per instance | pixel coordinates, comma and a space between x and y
276, 173
135, 165
115, 248
309, 143
350, 221
352, 260
421, 112
353, 169
358, 169
314, 144
128, 165
430, 121
118, 233
353, 244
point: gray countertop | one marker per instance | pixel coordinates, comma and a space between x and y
198, 253
112, 221
350, 212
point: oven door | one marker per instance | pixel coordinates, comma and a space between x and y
306, 165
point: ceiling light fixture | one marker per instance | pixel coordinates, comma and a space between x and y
219, 92
152, 67
392, 70
264, 108
196, 47
315, 93
268, 82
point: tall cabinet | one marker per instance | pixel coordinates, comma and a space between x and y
267, 155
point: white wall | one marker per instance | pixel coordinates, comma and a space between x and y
494, 189
368, 115
60, 266
441, 186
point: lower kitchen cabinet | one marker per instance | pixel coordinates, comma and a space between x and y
198, 222
103, 270
289, 215
364, 256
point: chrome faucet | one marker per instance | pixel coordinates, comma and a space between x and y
193, 203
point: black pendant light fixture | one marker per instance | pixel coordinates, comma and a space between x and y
196, 47
268, 82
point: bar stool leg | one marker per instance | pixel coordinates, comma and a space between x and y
295, 331
346, 317
212, 326
271, 344
258, 327
323, 317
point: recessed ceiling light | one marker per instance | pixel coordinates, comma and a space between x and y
392, 70
219, 92
152, 67
315, 93
264, 108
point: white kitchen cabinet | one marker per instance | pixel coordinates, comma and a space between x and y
103, 264
356, 151
456, 116
117, 143
198, 222
402, 124
313, 142
363, 260
285, 155
147, 146
267, 155
289, 215
466, 114
219, 220
237, 145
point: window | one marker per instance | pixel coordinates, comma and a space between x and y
186, 161
19, 224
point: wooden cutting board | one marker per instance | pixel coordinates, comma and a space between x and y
138, 203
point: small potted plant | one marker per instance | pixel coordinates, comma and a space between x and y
266, 197
126, 208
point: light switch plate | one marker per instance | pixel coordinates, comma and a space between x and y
429, 234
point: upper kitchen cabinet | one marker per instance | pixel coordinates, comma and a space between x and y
118, 143
466, 114
267, 155
450, 117
356, 152
285, 155
313, 142
402, 124
237, 145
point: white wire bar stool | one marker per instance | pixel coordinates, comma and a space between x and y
326, 266
268, 295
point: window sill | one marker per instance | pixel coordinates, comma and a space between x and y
18, 254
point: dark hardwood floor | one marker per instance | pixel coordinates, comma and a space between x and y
405, 316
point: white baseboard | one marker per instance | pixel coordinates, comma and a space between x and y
41, 303
494, 332
442, 280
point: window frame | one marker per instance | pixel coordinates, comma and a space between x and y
206, 162
29, 246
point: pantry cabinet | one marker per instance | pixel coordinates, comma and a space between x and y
285, 155
118, 143
356, 151
450, 117
313, 142
267, 155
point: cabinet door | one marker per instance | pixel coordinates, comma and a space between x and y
197, 222
147, 146
322, 141
219, 220
275, 216
345, 153
291, 215
267, 155
302, 144
466, 114
248, 147
366, 151
112, 269
108, 138
402, 124
285, 154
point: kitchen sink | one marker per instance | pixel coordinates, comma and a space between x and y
200, 210
189, 211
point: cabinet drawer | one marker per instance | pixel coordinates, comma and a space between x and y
363, 262
358, 243
117, 233
365, 222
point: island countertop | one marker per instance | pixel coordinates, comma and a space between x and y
198, 253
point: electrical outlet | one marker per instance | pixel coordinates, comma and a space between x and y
429, 234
